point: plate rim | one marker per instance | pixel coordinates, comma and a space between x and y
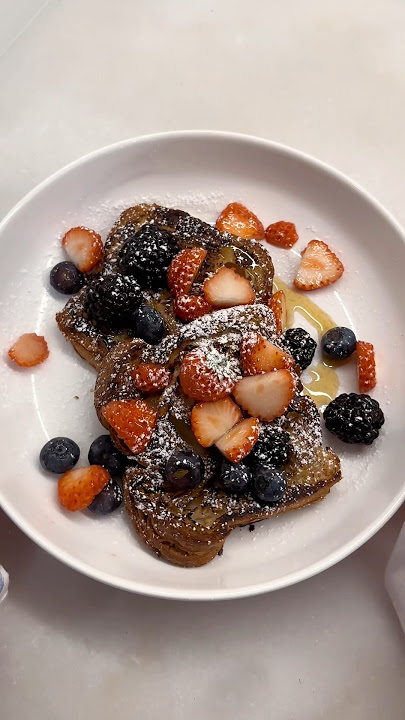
220, 593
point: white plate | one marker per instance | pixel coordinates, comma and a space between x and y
199, 172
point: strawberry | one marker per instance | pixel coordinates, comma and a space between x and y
206, 376
150, 377
279, 306
258, 355
77, 488
227, 288
366, 366
282, 234
84, 248
238, 442
190, 307
211, 420
319, 267
183, 269
30, 349
238, 220
133, 421
266, 396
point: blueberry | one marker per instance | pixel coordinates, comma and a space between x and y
269, 484
338, 343
235, 477
108, 500
66, 278
59, 455
184, 470
149, 325
103, 452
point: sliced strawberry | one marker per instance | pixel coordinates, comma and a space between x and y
133, 421
282, 234
366, 366
319, 267
238, 220
227, 288
206, 375
183, 269
30, 349
238, 442
266, 396
77, 488
190, 307
278, 304
150, 377
211, 420
84, 247
258, 355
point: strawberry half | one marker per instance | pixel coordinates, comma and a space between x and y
29, 350
183, 269
366, 366
190, 307
227, 288
133, 421
282, 234
206, 376
238, 220
278, 304
258, 355
77, 488
211, 420
265, 396
238, 442
150, 377
319, 267
84, 247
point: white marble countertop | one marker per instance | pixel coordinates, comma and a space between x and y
328, 79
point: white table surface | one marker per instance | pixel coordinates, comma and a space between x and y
327, 78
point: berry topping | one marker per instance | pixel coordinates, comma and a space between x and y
184, 470
84, 248
269, 484
150, 377
207, 375
265, 396
147, 256
258, 355
77, 488
227, 288
282, 234
190, 307
148, 325
103, 452
66, 278
211, 420
235, 477
319, 267
300, 345
272, 448
366, 366
133, 421
112, 300
184, 268
238, 220
29, 350
59, 455
238, 442
354, 418
338, 343
279, 306
108, 500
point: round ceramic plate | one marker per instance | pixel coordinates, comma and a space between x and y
199, 172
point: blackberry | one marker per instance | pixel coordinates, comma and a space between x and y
354, 418
147, 255
272, 448
300, 345
113, 299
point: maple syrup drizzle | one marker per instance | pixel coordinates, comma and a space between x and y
324, 383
